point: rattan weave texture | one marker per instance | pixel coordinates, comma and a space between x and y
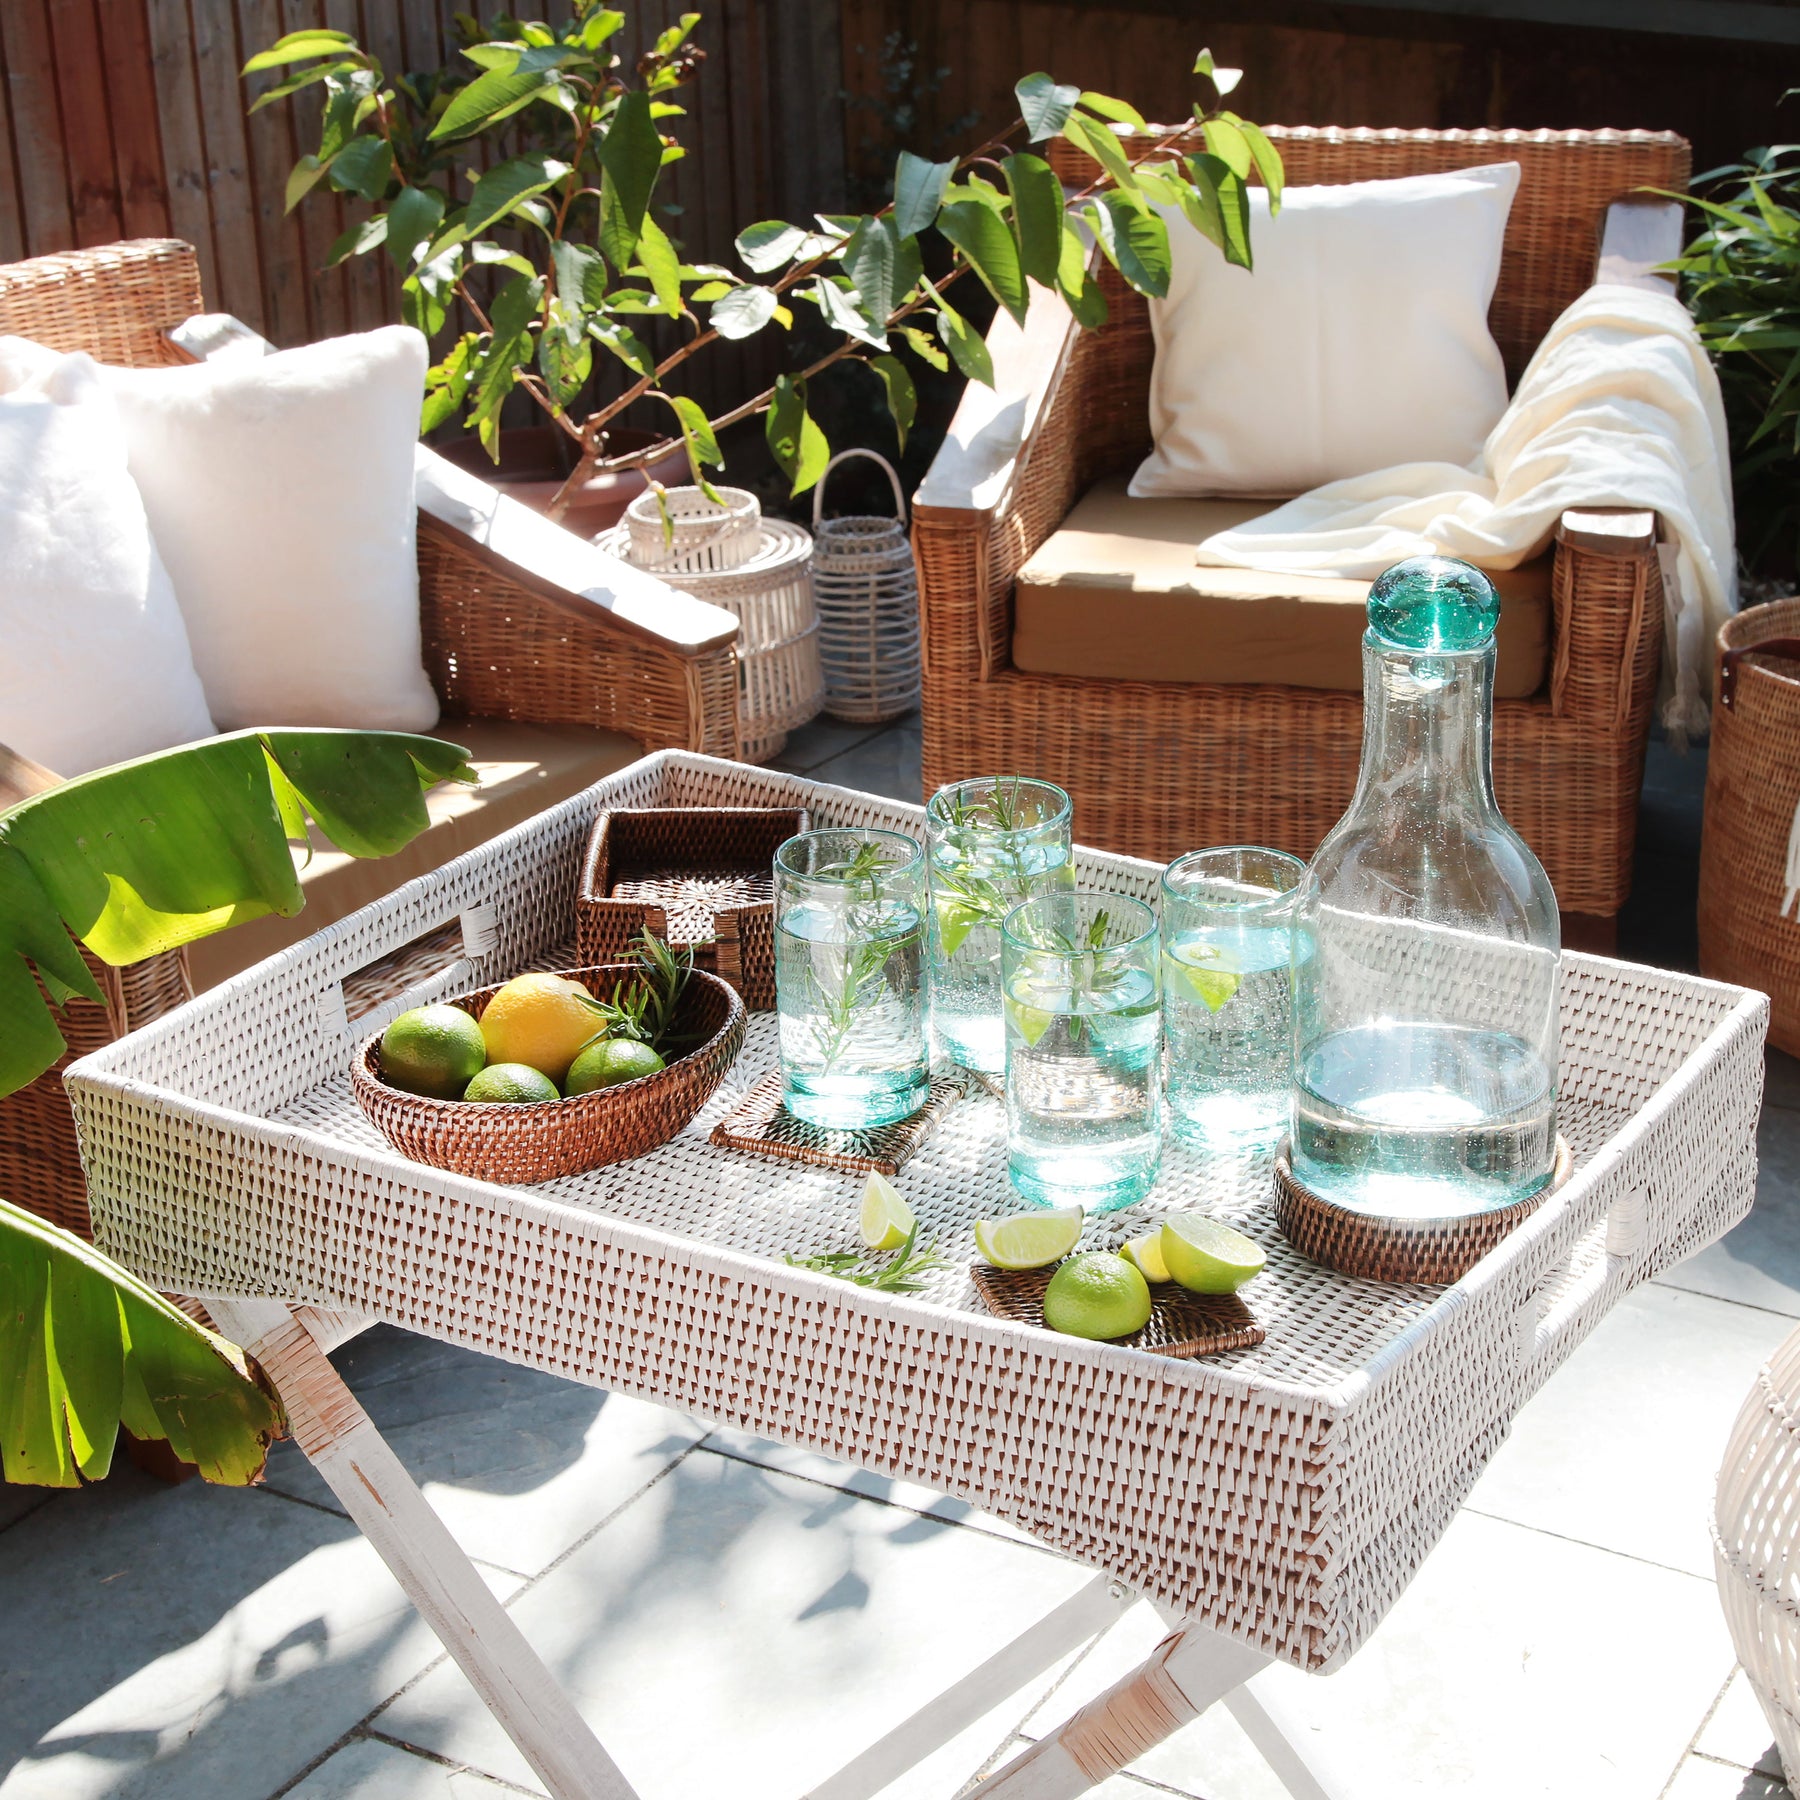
1284, 1493
1158, 768
1747, 930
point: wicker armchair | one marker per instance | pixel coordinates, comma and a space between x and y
519, 625
1159, 768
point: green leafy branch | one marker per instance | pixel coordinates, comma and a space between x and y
644, 1006
555, 251
1740, 279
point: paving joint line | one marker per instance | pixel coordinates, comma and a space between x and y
1691, 1748
1563, 1537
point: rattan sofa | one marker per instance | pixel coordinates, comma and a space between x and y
550, 677
1159, 767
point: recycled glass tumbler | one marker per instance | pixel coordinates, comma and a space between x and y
994, 842
849, 977
1083, 1049
1228, 946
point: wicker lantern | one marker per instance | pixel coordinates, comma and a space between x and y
728, 553
867, 591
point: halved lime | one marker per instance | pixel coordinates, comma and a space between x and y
1208, 1257
1203, 971
1031, 1240
1146, 1252
887, 1221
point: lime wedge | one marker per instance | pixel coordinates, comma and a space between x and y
1146, 1252
887, 1221
1030, 1241
1207, 1257
1203, 972
1031, 1022
955, 920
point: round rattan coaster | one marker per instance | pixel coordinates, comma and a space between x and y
1381, 1249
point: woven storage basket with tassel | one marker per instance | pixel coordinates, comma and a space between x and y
1750, 842
867, 589
753, 567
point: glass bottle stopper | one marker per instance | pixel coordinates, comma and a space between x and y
1433, 603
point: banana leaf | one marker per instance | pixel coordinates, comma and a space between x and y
86, 1347
152, 854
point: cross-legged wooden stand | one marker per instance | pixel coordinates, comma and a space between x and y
1188, 1672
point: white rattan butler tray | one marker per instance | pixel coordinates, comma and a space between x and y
1273, 1502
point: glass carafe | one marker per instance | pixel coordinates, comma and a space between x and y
1425, 1011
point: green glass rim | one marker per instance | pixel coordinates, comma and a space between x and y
1253, 897
1118, 906
907, 863
1063, 813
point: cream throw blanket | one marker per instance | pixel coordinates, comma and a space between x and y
1619, 407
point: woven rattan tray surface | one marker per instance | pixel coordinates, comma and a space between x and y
1284, 1491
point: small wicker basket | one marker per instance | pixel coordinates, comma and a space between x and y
754, 567
1749, 933
867, 590
700, 877
540, 1140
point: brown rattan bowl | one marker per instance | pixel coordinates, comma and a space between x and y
541, 1139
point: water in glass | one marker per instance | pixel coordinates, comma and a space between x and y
1083, 1050
994, 842
849, 977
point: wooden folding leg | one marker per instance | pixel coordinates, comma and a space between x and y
341, 1442
1183, 1676
1082, 1616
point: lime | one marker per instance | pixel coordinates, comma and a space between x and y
1031, 1022
432, 1050
956, 918
1031, 1241
542, 1021
887, 1221
1207, 1257
1204, 972
608, 1061
1146, 1252
1098, 1295
516, 1084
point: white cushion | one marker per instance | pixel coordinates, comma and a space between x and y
94, 660
1359, 342
280, 493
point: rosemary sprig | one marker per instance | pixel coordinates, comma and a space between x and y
902, 1274
643, 1006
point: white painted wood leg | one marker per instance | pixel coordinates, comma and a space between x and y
1082, 1616
341, 1442
1303, 1766
1183, 1676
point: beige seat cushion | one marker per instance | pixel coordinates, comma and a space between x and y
1116, 595
523, 769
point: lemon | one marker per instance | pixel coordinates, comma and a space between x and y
1098, 1295
1146, 1252
543, 1021
607, 1062
956, 918
1207, 1257
515, 1084
887, 1221
432, 1050
1030, 1241
1204, 972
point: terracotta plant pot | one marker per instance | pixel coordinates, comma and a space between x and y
535, 460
